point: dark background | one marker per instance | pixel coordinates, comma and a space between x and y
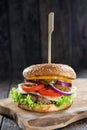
23, 34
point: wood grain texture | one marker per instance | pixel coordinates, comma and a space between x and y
19, 36
70, 31
5, 123
36, 121
4, 89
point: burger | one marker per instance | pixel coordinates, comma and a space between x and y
46, 88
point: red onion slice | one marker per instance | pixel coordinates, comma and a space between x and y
32, 81
60, 91
63, 83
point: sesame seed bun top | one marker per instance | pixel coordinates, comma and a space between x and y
52, 69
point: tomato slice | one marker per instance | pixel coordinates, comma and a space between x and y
32, 88
49, 92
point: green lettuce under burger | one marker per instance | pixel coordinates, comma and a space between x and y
27, 100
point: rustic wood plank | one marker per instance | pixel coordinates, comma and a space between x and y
4, 41
79, 33
43, 25
82, 74
32, 46
7, 124
17, 35
69, 39
79, 125
25, 33
4, 88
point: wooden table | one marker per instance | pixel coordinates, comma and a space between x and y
7, 124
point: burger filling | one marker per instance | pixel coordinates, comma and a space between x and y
44, 91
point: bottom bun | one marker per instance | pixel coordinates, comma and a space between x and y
45, 108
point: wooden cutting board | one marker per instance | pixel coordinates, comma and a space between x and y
48, 121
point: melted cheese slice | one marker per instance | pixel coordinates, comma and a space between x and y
50, 78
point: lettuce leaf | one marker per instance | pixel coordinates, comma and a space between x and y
21, 98
26, 99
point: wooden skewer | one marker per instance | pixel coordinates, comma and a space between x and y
50, 30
